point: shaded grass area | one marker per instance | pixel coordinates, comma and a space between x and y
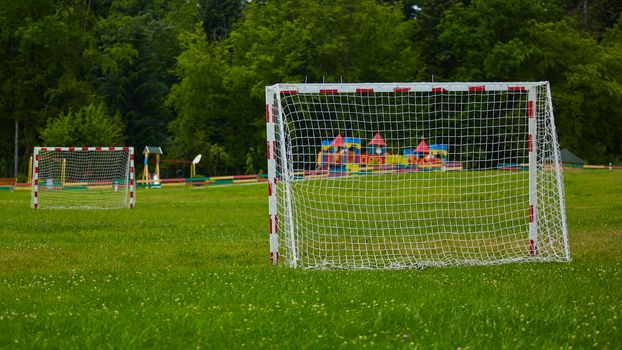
189, 268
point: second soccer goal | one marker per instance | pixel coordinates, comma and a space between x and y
83, 178
408, 175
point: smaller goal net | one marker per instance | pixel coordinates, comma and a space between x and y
83, 178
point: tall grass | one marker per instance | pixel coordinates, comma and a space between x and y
189, 268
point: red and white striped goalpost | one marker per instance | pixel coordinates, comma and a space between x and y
272, 200
83, 178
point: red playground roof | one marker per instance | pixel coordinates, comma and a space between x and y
377, 140
422, 147
338, 141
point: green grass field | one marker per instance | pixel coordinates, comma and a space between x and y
188, 268
418, 219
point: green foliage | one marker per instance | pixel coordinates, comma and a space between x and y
474, 36
585, 77
42, 47
202, 104
219, 101
218, 16
137, 48
594, 16
140, 58
425, 38
531, 41
89, 126
357, 41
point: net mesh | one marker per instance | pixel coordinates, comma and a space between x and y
415, 177
83, 179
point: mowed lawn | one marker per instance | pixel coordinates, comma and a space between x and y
416, 219
188, 268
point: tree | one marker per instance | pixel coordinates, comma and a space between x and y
593, 16
218, 17
301, 41
205, 111
190, 74
220, 98
586, 80
470, 33
309, 41
89, 126
426, 36
42, 46
591, 93
137, 50
522, 41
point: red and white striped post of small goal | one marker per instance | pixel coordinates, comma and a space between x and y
83, 178
405, 175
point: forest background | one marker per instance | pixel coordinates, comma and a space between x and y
189, 75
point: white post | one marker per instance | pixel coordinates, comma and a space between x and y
532, 115
271, 155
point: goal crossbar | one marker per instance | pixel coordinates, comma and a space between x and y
287, 89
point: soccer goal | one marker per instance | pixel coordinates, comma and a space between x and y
83, 178
392, 175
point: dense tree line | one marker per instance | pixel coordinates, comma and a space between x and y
189, 75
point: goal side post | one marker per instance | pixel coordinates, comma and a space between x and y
280, 176
34, 197
132, 177
272, 195
532, 115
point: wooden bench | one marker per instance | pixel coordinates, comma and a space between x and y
7, 183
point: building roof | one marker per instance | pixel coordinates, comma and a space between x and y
422, 147
338, 141
153, 150
569, 157
377, 140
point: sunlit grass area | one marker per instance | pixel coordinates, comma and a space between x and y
189, 268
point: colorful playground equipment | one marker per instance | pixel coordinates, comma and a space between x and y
147, 176
154, 179
342, 155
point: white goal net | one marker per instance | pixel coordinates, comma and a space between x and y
83, 178
389, 176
